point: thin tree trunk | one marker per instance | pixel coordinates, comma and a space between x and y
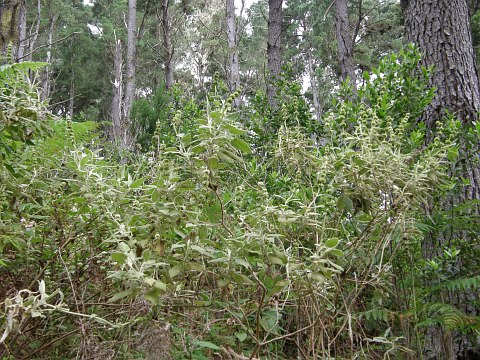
234, 64
167, 44
34, 34
23, 32
116, 112
71, 101
345, 43
46, 74
313, 83
130, 73
274, 48
441, 29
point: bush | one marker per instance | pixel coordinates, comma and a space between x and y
205, 247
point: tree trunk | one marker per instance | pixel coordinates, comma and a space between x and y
313, 83
274, 48
446, 43
130, 73
234, 64
46, 73
71, 101
22, 32
10, 19
345, 43
441, 29
33, 35
167, 44
116, 112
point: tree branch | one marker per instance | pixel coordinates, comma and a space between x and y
50, 44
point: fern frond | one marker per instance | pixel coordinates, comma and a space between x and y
446, 315
460, 284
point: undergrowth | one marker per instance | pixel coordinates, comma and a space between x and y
204, 246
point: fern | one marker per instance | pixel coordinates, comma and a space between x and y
445, 315
459, 284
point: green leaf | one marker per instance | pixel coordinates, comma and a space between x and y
84, 160
214, 213
149, 281
124, 247
234, 130
242, 262
137, 183
214, 164
196, 266
337, 252
198, 149
153, 295
241, 336
345, 203
160, 285
156, 196
241, 145
317, 277
275, 260
206, 344
120, 295
332, 243
232, 117
9, 168
120, 258
175, 270
187, 139
179, 232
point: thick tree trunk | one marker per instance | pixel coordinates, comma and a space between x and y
116, 111
167, 44
10, 19
274, 48
127, 141
441, 29
234, 63
345, 43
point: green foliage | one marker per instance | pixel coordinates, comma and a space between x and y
293, 111
233, 251
22, 116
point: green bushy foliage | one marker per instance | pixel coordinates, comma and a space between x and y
292, 111
202, 247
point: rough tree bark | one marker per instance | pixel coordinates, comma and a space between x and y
345, 43
232, 40
10, 19
274, 48
127, 141
441, 29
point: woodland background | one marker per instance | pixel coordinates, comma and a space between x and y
188, 179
